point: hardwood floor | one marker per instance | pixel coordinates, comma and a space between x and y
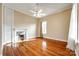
37, 47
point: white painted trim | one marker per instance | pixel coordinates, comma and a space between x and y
56, 39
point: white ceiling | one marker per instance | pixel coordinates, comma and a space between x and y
48, 8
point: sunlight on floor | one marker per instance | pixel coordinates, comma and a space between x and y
44, 45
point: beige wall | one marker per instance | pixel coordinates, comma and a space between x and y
23, 21
0, 27
58, 25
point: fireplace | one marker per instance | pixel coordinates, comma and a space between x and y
21, 37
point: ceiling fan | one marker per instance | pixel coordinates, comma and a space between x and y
37, 12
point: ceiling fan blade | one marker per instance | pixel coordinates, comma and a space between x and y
32, 11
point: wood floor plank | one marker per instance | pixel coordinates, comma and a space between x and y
35, 48
46, 51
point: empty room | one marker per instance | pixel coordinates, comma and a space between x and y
38, 29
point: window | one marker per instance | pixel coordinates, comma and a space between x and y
44, 27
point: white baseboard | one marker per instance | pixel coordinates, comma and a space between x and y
56, 39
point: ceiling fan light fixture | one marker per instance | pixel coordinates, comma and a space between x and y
39, 15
